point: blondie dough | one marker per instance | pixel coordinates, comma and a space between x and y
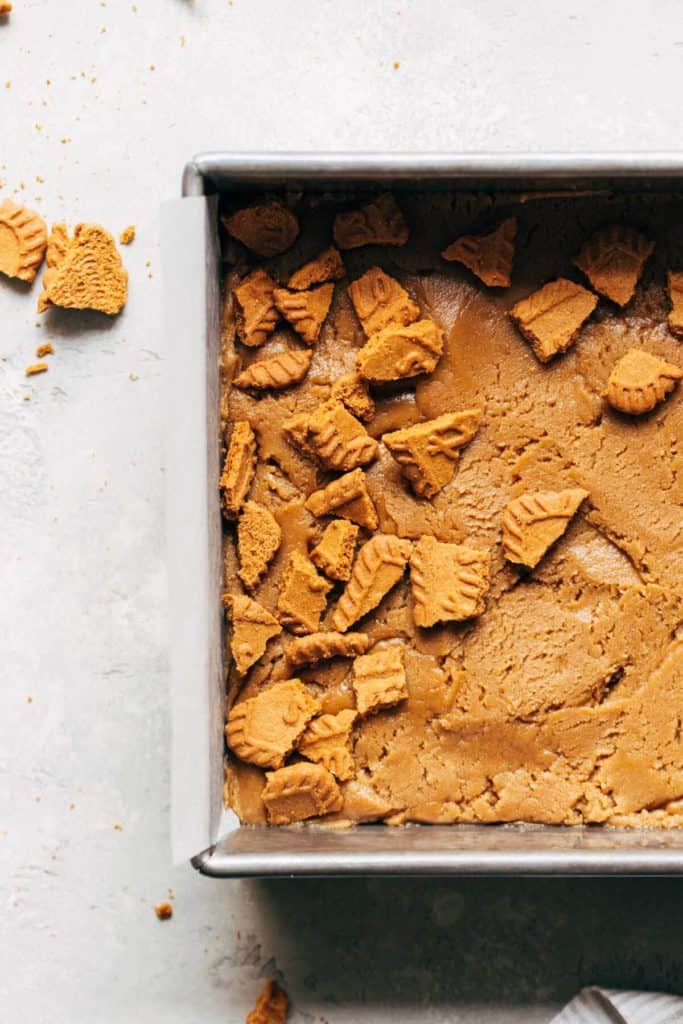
507, 564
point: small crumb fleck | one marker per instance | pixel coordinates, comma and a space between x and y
170, 893
133, 376
397, 65
40, 179
35, 368
27, 398
8, 85
103, 30
117, 826
38, 798
5, 7
38, 126
134, 8
48, 81
163, 910
127, 235
148, 263
46, 349
152, 67
182, 40
29, 700
72, 807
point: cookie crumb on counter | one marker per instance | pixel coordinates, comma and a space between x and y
36, 368
47, 349
164, 911
5, 7
117, 826
271, 1005
133, 376
127, 235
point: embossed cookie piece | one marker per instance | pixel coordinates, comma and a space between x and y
379, 300
256, 312
333, 554
300, 791
295, 430
271, 1006
258, 538
252, 627
306, 650
612, 259
428, 452
277, 372
346, 497
551, 318
340, 441
264, 729
303, 596
23, 240
353, 391
83, 272
639, 381
448, 582
327, 741
397, 352
377, 223
379, 679
305, 311
327, 266
266, 227
488, 256
239, 468
379, 566
534, 521
674, 280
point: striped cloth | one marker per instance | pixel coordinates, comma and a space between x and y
606, 1006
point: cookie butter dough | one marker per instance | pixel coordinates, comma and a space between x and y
453, 508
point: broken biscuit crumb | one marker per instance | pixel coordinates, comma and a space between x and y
84, 272
327, 266
252, 627
379, 300
333, 553
380, 222
277, 372
397, 352
550, 319
268, 228
127, 235
305, 310
613, 259
379, 679
448, 582
264, 729
36, 368
533, 522
353, 391
339, 440
164, 911
488, 256
379, 566
23, 241
256, 315
306, 650
258, 539
327, 741
303, 596
674, 279
428, 452
271, 1005
239, 468
46, 349
300, 791
348, 497
639, 381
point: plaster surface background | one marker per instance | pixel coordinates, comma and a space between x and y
101, 103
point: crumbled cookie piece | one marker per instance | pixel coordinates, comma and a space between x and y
551, 318
264, 729
277, 372
346, 497
239, 468
613, 259
127, 235
266, 227
340, 441
256, 315
327, 266
36, 368
271, 1006
379, 566
533, 522
377, 223
379, 679
306, 650
488, 256
397, 352
379, 300
258, 538
46, 349
84, 272
333, 554
639, 381
252, 627
427, 452
5, 7
23, 240
352, 390
305, 310
164, 911
327, 741
300, 791
448, 581
295, 430
674, 280
303, 596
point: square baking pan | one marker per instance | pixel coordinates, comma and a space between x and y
202, 830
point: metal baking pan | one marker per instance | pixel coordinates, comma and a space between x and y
201, 828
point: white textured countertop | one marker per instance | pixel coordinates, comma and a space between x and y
104, 103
